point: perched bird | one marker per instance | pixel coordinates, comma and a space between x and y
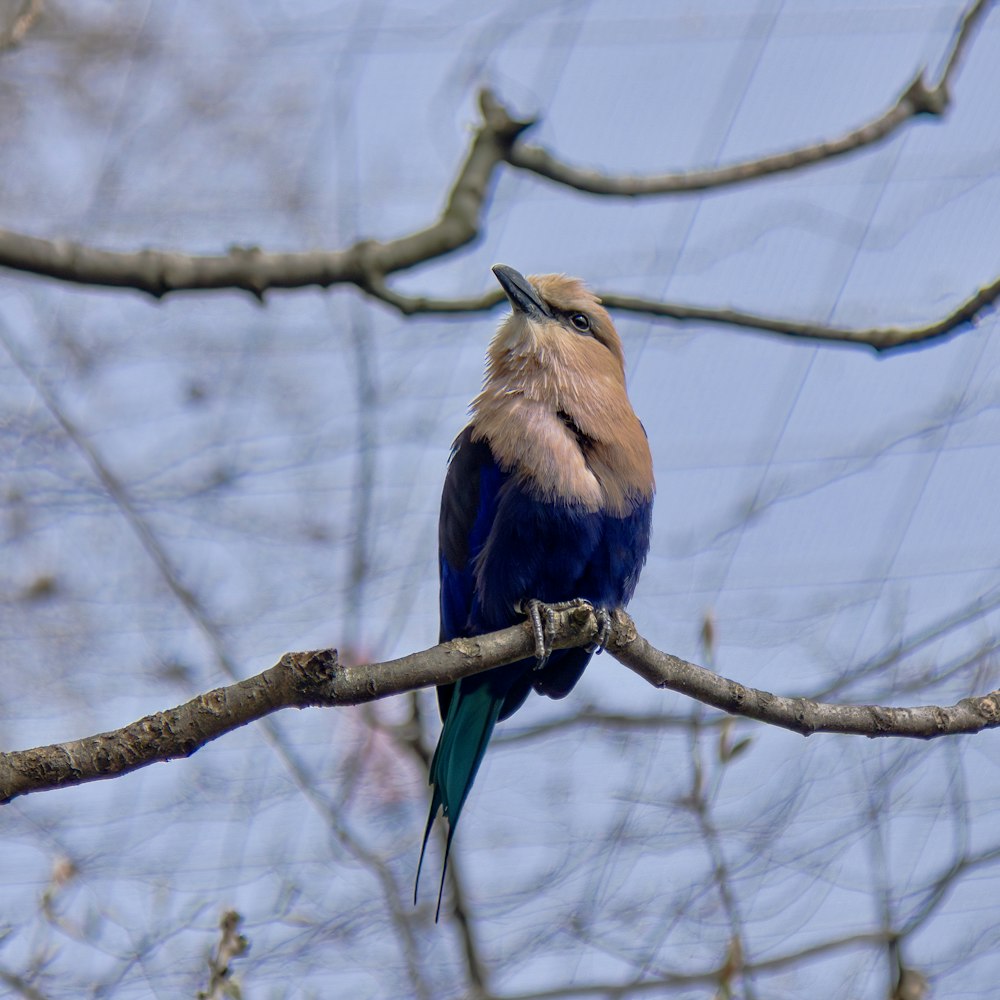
548, 498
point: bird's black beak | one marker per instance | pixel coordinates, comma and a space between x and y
523, 297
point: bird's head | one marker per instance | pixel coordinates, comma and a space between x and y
554, 406
558, 321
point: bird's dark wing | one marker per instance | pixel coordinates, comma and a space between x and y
468, 507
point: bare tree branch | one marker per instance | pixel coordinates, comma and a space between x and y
297, 680
881, 338
315, 678
800, 715
368, 263
917, 98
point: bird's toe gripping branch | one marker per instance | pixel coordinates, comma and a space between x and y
543, 624
542, 621
603, 631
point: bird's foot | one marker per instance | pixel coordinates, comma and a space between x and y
542, 619
603, 631
543, 624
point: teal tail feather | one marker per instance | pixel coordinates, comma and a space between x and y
461, 746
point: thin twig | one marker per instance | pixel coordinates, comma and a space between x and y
21, 986
880, 338
591, 718
708, 977
733, 966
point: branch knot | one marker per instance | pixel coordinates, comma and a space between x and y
925, 100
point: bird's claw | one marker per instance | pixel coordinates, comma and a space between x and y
542, 618
543, 624
600, 642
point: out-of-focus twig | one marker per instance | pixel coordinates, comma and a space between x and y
13, 34
231, 946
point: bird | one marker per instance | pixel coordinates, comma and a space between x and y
547, 501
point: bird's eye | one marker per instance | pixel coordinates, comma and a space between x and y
581, 322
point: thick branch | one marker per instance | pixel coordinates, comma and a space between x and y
297, 680
366, 263
301, 680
